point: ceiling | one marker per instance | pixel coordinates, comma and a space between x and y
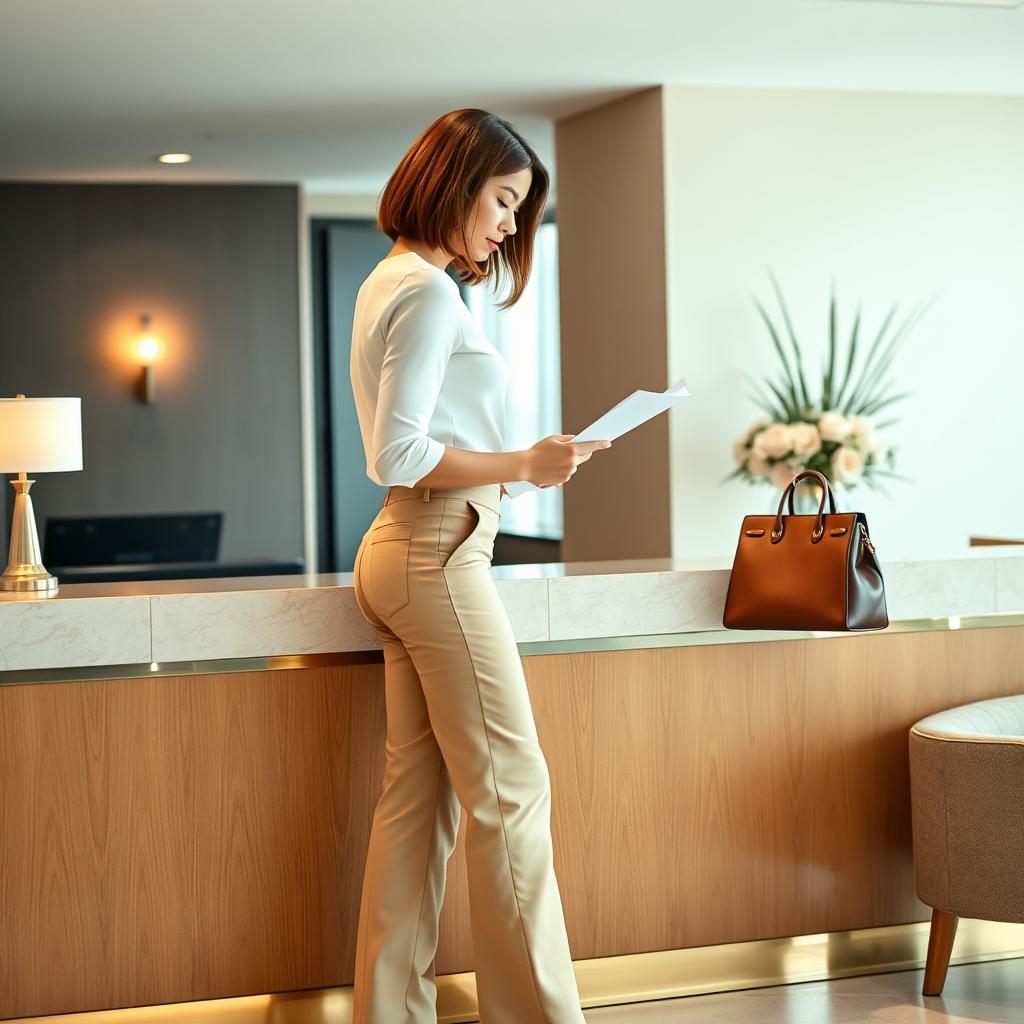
330, 94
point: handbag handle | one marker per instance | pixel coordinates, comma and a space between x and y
826, 491
823, 483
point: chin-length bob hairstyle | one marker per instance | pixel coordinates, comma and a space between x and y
430, 195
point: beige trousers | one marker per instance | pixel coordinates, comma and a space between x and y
460, 731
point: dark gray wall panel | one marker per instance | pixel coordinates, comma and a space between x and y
216, 266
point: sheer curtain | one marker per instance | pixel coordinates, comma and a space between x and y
527, 336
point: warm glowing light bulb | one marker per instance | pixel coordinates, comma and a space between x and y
148, 350
174, 158
148, 346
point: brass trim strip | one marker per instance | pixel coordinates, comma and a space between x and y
784, 961
738, 636
614, 980
189, 668
375, 655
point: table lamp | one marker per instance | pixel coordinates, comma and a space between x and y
37, 435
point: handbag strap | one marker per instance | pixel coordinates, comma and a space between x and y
826, 489
826, 492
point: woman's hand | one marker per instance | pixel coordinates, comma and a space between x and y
553, 459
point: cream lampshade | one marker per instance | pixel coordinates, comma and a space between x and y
37, 435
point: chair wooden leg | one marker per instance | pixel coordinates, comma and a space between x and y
940, 945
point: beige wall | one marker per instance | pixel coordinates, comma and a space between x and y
611, 231
323, 204
675, 200
897, 196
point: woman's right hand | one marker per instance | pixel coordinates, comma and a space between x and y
553, 459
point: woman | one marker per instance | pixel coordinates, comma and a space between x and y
430, 396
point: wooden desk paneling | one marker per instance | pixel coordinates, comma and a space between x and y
192, 837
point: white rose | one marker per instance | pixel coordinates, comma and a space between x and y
782, 473
757, 466
806, 440
833, 426
740, 450
759, 424
847, 465
773, 442
865, 435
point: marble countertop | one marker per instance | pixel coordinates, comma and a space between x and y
94, 624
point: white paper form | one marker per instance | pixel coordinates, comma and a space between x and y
633, 410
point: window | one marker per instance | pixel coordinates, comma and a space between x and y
527, 336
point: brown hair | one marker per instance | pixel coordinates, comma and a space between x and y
431, 193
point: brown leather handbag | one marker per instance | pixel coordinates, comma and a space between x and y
817, 571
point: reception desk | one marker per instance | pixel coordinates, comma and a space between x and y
188, 771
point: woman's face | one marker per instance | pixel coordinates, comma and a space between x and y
493, 216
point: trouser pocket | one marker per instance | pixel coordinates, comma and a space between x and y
469, 529
384, 568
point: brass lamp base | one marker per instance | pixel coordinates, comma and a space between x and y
25, 573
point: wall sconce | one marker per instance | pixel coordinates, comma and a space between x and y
149, 350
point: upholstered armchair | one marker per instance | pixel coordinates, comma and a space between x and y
967, 796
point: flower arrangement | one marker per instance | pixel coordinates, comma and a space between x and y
834, 432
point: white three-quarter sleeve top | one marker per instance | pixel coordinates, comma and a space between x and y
424, 375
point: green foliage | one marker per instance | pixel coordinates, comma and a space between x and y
848, 386
865, 391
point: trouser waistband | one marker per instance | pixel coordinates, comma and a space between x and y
486, 494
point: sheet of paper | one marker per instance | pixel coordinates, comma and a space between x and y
633, 410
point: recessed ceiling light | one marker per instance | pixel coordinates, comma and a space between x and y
174, 158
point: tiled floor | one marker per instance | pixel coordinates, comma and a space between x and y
987, 993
